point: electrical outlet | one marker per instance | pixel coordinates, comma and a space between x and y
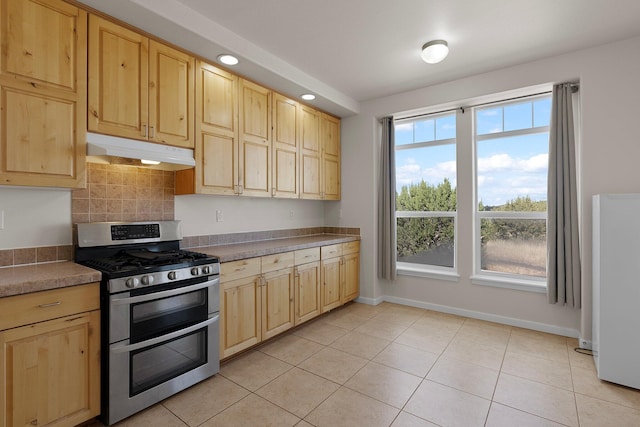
1, 220
219, 217
291, 214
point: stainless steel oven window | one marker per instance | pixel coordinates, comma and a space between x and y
120, 308
160, 316
155, 365
121, 403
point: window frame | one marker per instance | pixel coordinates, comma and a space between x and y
430, 270
496, 278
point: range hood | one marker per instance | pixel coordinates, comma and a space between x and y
104, 148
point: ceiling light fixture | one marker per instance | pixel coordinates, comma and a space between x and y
228, 59
435, 51
308, 96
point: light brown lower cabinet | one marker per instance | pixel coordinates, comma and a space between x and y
265, 296
277, 302
51, 368
340, 274
308, 294
259, 304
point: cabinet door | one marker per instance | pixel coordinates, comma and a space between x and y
51, 372
255, 139
41, 42
285, 147
216, 150
118, 82
310, 154
171, 91
331, 284
240, 314
330, 157
350, 277
308, 304
43, 78
277, 302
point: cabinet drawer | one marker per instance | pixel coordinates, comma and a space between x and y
304, 256
239, 269
331, 251
351, 247
39, 306
277, 261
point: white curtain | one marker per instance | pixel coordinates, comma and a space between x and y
563, 245
387, 203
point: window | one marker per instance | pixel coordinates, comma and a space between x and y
511, 154
426, 192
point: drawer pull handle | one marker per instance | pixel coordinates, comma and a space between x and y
51, 304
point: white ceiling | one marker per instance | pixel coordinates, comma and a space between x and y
348, 51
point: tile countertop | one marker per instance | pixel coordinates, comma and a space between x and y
24, 279
246, 250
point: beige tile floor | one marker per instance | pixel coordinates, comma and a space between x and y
392, 365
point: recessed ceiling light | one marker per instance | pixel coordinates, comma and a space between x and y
308, 96
435, 51
228, 59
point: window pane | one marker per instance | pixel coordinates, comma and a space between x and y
424, 131
425, 167
446, 127
403, 133
514, 246
508, 168
426, 241
489, 120
542, 112
518, 116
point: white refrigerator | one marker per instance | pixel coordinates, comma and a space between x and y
616, 288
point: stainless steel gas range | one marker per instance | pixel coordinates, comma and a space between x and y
160, 312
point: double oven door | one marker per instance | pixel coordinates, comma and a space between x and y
162, 340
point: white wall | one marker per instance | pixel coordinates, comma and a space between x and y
35, 217
609, 159
243, 214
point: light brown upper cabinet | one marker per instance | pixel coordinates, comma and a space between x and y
330, 137
139, 88
255, 139
216, 150
320, 155
310, 153
43, 84
285, 147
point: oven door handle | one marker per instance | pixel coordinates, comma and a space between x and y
125, 348
163, 294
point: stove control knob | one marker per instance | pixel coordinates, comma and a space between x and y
147, 280
132, 282
172, 275
206, 269
195, 271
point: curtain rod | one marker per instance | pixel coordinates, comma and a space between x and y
574, 86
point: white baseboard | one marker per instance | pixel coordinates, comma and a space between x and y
528, 324
370, 301
585, 344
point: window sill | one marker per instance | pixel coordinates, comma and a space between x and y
451, 276
511, 283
